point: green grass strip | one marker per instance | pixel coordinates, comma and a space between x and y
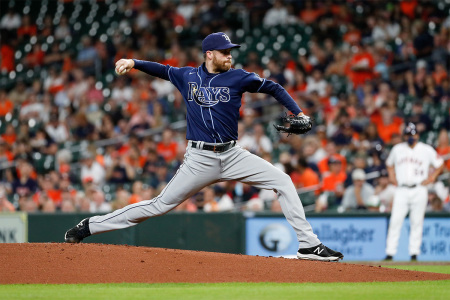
217, 291
422, 268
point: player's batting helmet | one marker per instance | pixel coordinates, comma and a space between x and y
410, 129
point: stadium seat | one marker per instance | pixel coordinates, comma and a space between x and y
109, 188
308, 198
44, 163
429, 137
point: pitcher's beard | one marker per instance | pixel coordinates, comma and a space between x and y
221, 67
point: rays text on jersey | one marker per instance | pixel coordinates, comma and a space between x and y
207, 96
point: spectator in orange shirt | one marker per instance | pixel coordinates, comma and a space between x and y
134, 157
304, 176
27, 29
439, 73
136, 195
34, 58
332, 186
299, 85
353, 35
360, 67
321, 132
335, 178
7, 56
309, 14
10, 134
49, 191
167, 148
332, 153
6, 105
173, 59
209, 200
443, 146
387, 122
409, 8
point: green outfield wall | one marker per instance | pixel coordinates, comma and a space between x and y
217, 232
361, 235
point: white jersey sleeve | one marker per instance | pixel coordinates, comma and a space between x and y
435, 160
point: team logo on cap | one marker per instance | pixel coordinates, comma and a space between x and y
226, 37
410, 129
207, 96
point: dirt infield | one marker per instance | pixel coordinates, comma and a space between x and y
97, 263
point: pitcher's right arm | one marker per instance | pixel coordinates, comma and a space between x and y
124, 66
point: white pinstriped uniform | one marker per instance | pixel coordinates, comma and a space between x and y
411, 169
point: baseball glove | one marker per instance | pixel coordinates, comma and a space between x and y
297, 124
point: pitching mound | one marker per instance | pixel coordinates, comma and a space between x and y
96, 263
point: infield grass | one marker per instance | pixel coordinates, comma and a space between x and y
218, 291
423, 268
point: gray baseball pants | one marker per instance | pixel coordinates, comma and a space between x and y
201, 168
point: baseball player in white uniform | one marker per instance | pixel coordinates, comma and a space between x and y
408, 166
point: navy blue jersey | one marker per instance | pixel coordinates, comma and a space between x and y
213, 100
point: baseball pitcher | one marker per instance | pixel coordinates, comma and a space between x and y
408, 166
212, 94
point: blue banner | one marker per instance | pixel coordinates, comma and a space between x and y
435, 243
270, 237
356, 238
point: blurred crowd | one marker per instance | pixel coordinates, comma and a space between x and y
77, 138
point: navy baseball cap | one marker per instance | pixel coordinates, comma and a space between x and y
217, 41
410, 129
333, 159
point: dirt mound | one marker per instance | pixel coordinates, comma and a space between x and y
96, 263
